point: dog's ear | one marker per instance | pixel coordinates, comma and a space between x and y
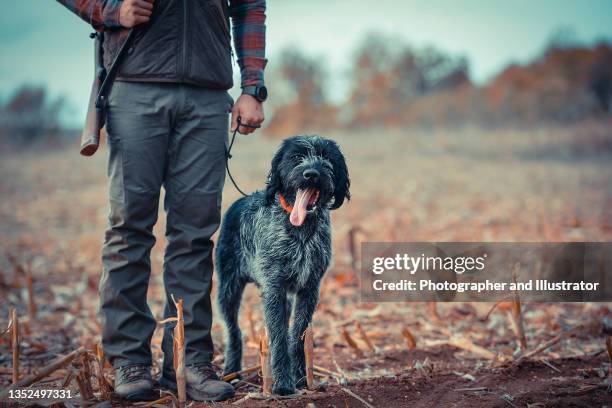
274, 182
341, 176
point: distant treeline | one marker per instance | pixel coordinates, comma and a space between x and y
31, 117
389, 84
394, 85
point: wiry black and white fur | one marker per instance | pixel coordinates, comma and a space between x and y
259, 244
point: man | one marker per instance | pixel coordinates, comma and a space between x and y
167, 125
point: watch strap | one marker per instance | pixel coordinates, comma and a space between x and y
250, 90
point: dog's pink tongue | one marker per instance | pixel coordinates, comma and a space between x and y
299, 211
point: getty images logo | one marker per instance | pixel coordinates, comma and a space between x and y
413, 264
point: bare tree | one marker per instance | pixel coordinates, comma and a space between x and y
600, 78
387, 79
301, 105
30, 116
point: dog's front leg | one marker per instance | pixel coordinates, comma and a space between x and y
305, 304
275, 314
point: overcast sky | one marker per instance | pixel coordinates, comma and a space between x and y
41, 42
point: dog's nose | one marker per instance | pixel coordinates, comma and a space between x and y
310, 174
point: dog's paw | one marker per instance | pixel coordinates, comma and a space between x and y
301, 382
283, 389
299, 377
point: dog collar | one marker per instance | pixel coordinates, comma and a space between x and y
284, 204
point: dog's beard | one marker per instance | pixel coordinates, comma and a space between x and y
305, 202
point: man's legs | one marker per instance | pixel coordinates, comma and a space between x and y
138, 124
194, 183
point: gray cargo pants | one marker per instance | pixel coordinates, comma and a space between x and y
172, 135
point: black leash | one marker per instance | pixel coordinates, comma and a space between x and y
229, 156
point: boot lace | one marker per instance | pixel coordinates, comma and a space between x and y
134, 372
207, 370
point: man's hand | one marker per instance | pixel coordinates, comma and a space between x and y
250, 111
135, 12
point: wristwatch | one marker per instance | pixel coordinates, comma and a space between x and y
258, 92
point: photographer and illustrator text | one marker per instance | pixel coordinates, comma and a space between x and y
456, 271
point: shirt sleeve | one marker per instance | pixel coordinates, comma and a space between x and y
249, 29
101, 14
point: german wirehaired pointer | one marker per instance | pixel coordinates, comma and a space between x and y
280, 239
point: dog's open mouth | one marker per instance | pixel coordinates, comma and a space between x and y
305, 203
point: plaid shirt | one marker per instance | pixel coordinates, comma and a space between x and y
248, 21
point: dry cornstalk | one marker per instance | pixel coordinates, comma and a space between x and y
349, 340
244, 399
548, 364
85, 367
516, 315
234, 375
352, 246
364, 336
103, 385
316, 373
85, 378
179, 353
433, 311
344, 375
544, 346
309, 357
500, 303
168, 394
327, 372
67, 379
15, 344
264, 360
253, 332
468, 345
160, 402
410, 341
470, 389
516, 325
357, 397
55, 365
84, 387
609, 348
99, 351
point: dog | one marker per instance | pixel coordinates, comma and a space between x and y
280, 239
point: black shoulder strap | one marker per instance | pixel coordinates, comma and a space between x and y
107, 84
109, 78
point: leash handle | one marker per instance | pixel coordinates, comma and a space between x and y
239, 121
228, 154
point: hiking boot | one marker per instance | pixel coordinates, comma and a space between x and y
203, 384
133, 382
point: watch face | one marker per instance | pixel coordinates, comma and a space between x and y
262, 93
